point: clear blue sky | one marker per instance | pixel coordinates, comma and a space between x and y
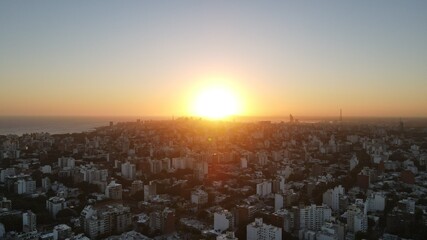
148, 57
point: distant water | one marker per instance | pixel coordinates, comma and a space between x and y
58, 125
55, 125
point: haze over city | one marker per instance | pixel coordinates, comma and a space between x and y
257, 58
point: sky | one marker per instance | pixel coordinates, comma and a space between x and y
151, 58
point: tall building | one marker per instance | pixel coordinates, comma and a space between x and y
136, 186
284, 219
332, 197
6, 173
25, 186
258, 230
54, 205
128, 170
150, 190
357, 220
29, 221
156, 166
223, 220
262, 158
163, 220
263, 189
201, 169
278, 201
105, 220
245, 214
376, 202
312, 217
19, 186
114, 190
66, 162
46, 183
62, 232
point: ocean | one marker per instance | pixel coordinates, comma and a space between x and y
55, 125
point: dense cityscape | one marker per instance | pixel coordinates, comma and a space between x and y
190, 178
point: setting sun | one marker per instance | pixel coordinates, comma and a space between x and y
216, 103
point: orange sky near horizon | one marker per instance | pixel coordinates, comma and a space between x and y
155, 58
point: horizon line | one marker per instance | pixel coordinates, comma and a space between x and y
229, 117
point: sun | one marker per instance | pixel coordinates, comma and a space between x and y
216, 103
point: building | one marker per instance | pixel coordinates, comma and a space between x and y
6, 204
262, 158
375, 202
258, 230
25, 186
19, 186
163, 220
29, 221
136, 186
199, 197
226, 236
330, 231
353, 162
407, 205
279, 185
114, 191
66, 162
6, 173
243, 163
128, 170
263, 189
46, 169
284, 219
54, 205
332, 197
357, 220
278, 201
150, 191
156, 166
200, 169
245, 214
62, 232
46, 183
312, 217
105, 220
223, 220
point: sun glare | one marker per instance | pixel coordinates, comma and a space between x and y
216, 103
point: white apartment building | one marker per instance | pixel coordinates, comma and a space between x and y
223, 220
258, 230
375, 202
263, 189
29, 221
54, 205
313, 217
114, 190
128, 170
332, 197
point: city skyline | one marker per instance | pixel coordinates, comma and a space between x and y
154, 58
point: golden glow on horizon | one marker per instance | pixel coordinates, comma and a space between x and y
216, 103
